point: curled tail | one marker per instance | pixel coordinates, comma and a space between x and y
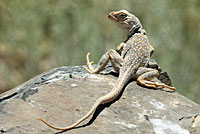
92, 110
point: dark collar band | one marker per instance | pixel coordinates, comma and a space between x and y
133, 32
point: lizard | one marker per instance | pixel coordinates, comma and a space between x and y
129, 63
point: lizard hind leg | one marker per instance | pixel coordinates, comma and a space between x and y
90, 68
111, 55
145, 75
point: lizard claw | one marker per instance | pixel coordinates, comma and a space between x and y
154, 84
90, 68
157, 84
87, 69
164, 85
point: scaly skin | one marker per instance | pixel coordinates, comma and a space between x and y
135, 54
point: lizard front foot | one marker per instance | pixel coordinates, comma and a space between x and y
90, 68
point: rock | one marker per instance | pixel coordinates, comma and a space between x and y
63, 95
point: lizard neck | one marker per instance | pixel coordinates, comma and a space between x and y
135, 31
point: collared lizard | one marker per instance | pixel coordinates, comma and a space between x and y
130, 63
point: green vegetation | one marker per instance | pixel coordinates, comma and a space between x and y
36, 36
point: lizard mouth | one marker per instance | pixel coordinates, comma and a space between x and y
112, 17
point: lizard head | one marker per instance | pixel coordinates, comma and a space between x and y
125, 20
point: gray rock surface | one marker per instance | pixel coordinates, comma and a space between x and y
63, 95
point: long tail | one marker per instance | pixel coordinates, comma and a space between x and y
113, 94
97, 103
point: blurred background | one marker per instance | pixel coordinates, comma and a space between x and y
36, 36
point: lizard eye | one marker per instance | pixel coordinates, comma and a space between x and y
122, 16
